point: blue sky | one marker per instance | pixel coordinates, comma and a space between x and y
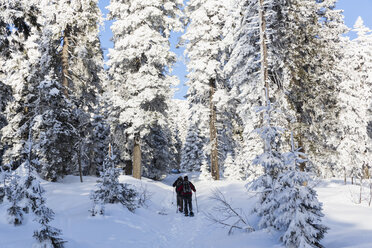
352, 9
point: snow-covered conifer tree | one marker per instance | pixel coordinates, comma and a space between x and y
355, 99
272, 161
98, 142
46, 235
18, 63
232, 169
243, 69
294, 40
298, 213
178, 122
139, 83
314, 78
110, 190
192, 152
205, 50
15, 193
33, 192
81, 69
5, 92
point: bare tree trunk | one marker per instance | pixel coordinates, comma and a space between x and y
263, 46
365, 171
213, 132
301, 146
361, 189
345, 175
79, 162
65, 59
137, 158
128, 167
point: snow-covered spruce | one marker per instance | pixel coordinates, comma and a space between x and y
272, 161
110, 191
192, 152
298, 213
25, 196
285, 203
15, 194
205, 52
355, 100
139, 85
47, 235
19, 64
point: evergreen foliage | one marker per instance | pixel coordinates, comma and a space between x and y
15, 194
272, 161
299, 212
192, 152
110, 191
285, 201
46, 235
355, 99
139, 79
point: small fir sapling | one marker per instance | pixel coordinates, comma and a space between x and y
47, 236
110, 190
15, 194
298, 212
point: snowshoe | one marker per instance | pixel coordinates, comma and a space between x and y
186, 214
191, 214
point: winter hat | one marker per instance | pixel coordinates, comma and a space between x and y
186, 178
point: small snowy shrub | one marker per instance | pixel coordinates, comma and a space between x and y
15, 194
111, 191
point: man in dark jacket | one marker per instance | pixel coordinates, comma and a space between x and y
177, 184
186, 189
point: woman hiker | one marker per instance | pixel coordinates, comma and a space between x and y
177, 184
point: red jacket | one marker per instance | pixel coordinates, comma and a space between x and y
180, 188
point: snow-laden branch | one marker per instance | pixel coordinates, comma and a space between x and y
228, 216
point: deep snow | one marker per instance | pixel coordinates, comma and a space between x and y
159, 226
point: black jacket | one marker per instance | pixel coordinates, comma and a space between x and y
177, 183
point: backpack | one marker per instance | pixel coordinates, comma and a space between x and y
186, 187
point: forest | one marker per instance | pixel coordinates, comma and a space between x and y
278, 98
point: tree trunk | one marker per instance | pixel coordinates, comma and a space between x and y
263, 50
137, 158
79, 162
65, 59
345, 175
213, 132
361, 189
365, 171
128, 167
301, 146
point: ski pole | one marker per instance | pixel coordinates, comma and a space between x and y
196, 201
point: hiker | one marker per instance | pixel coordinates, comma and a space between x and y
177, 184
185, 189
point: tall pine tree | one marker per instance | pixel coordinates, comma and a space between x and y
140, 83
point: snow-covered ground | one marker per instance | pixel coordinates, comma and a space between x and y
159, 226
